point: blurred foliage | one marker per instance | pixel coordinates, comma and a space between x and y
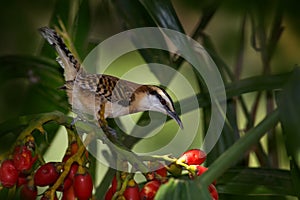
254, 44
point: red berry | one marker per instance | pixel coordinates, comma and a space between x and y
46, 174
70, 177
74, 148
66, 158
200, 170
73, 170
22, 179
69, 194
23, 159
162, 171
112, 190
213, 192
8, 174
65, 185
114, 184
132, 193
192, 157
28, 192
109, 194
157, 171
149, 190
83, 186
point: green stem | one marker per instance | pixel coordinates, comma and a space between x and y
38, 122
233, 154
123, 186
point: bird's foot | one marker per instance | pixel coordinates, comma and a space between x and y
109, 132
76, 119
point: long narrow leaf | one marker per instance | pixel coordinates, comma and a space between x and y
288, 105
233, 154
256, 181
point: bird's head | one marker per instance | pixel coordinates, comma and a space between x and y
155, 98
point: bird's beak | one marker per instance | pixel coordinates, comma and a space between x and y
174, 116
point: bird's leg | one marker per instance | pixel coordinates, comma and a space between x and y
101, 120
103, 123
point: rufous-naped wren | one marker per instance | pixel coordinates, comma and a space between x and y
100, 94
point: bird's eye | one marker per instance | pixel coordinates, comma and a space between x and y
153, 92
163, 102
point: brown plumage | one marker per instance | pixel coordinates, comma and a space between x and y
86, 92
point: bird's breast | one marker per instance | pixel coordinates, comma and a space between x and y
116, 109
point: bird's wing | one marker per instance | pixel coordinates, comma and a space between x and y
107, 87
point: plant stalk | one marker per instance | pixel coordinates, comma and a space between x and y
233, 154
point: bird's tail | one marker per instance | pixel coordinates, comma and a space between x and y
66, 59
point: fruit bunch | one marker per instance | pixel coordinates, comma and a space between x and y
126, 188
191, 160
131, 190
16, 170
73, 177
24, 169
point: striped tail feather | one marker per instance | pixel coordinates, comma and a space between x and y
65, 58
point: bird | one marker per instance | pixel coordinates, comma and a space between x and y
104, 96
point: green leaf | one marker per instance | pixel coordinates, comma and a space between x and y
81, 28
295, 174
163, 13
253, 197
75, 16
256, 181
35, 83
130, 11
237, 88
105, 182
182, 189
10, 130
9, 194
288, 105
257, 83
61, 11
234, 153
230, 134
167, 190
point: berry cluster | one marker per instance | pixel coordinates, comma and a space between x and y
132, 191
16, 170
124, 186
76, 183
192, 160
24, 170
